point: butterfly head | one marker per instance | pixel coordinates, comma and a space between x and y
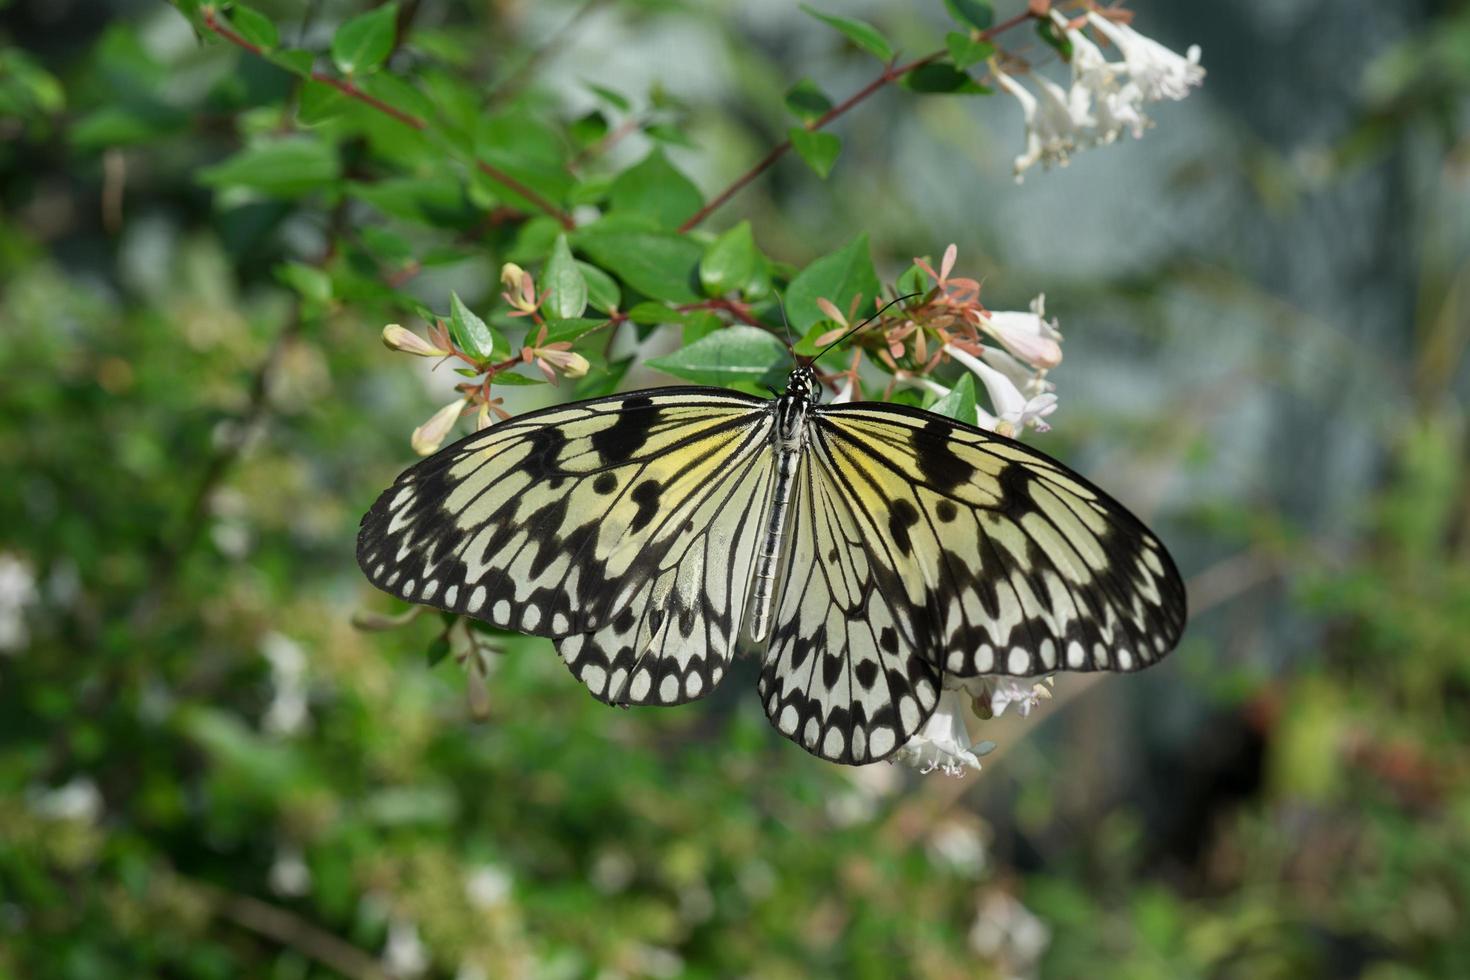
802, 383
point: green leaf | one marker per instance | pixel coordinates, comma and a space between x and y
660, 265
730, 262
573, 328
318, 103
653, 187
959, 404
1054, 38
438, 650
474, 336
567, 289
941, 77
735, 355
614, 99
254, 27
698, 325
364, 42
515, 380
965, 50
312, 283
295, 61
865, 36
653, 314
288, 167
806, 101
839, 277
971, 13
603, 293
817, 148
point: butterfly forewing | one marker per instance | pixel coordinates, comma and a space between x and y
552, 523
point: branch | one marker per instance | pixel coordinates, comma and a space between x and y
295, 932
892, 73
347, 88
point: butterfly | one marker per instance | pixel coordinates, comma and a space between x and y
864, 552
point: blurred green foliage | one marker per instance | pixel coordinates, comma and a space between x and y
205, 770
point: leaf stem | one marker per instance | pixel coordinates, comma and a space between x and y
891, 73
347, 88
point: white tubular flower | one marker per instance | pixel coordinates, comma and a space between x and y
1117, 105
1158, 72
1031, 383
844, 393
402, 339
944, 741
1027, 336
428, 437
1056, 125
1013, 410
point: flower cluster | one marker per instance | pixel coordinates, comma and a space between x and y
1105, 98
944, 743
1009, 353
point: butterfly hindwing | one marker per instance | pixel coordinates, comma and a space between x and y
569, 521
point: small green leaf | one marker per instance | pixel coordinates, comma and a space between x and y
653, 314
567, 289
865, 36
573, 328
295, 61
806, 101
840, 277
603, 294
312, 283
254, 26
614, 99
318, 103
730, 262
514, 380
965, 50
959, 404
438, 650
971, 13
1054, 38
941, 77
735, 355
817, 148
364, 42
653, 187
288, 167
474, 336
660, 265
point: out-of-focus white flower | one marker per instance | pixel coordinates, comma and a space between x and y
1056, 124
429, 436
657, 962
844, 392
1116, 103
612, 871
17, 594
289, 876
405, 954
287, 713
1158, 72
488, 886
1028, 336
1006, 932
78, 799
958, 844
944, 741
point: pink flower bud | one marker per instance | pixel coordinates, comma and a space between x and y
401, 339
428, 437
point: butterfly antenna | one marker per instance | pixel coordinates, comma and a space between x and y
790, 340
852, 330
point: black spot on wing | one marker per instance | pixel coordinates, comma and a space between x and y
605, 484
621, 440
646, 496
901, 517
939, 463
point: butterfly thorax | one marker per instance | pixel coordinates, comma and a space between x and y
792, 406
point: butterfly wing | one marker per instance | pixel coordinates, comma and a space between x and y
614, 526
966, 553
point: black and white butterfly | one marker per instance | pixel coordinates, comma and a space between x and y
864, 552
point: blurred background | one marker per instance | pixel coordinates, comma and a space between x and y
205, 770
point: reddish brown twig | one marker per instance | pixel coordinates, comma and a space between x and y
892, 73
347, 88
